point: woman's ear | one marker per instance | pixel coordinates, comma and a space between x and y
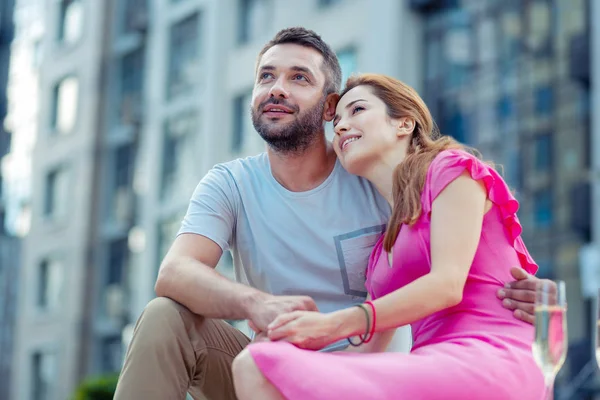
330, 105
406, 126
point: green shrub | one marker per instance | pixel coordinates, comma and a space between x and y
101, 387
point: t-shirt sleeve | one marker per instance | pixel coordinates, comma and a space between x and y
212, 211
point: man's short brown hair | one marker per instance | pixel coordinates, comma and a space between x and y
307, 38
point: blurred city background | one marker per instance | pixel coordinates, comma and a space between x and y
113, 110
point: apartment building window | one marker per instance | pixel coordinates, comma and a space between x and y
123, 197
243, 129
543, 152
542, 208
347, 59
135, 15
255, 19
65, 99
49, 284
132, 80
43, 376
178, 152
71, 21
184, 58
112, 353
544, 100
117, 261
56, 193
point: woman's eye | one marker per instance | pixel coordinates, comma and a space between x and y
357, 109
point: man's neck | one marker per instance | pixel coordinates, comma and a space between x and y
300, 172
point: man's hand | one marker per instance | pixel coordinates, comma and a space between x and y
263, 312
305, 329
520, 294
261, 337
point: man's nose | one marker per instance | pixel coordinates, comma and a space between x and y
279, 90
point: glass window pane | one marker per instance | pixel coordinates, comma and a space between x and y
544, 100
244, 134
117, 261
123, 170
255, 19
56, 193
178, 153
184, 68
49, 285
135, 15
132, 80
543, 214
543, 152
44, 369
71, 21
65, 105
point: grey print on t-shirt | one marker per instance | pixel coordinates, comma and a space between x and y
353, 251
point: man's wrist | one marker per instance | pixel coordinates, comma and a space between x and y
251, 301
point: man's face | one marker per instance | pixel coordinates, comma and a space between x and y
288, 99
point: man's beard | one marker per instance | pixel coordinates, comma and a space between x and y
291, 137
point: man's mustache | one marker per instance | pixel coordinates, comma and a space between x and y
278, 103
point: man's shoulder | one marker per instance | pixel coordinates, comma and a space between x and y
241, 167
239, 171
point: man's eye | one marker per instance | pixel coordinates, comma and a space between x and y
266, 75
300, 78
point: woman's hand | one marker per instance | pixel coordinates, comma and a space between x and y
306, 329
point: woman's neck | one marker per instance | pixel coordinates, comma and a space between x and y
381, 172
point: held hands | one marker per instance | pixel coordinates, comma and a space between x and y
267, 309
305, 329
520, 294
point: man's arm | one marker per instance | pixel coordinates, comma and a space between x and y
187, 275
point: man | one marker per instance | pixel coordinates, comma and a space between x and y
300, 228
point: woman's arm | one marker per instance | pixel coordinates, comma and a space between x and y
456, 223
379, 343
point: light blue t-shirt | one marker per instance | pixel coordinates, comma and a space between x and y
314, 243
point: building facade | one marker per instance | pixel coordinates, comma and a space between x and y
139, 98
63, 43
9, 245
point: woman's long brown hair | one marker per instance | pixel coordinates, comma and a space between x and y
425, 144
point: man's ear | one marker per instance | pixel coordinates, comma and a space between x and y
330, 105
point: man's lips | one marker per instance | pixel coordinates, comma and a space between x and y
276, 109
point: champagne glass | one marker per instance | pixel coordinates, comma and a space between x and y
550, 345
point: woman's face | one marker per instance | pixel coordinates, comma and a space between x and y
364, 132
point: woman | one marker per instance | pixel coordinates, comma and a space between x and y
449, 246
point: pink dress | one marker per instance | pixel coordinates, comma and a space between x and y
475, 350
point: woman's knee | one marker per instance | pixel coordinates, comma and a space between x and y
244, 368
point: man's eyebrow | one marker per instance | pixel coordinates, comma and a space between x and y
301, 69
267, 68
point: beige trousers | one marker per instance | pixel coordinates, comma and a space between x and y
174, 351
